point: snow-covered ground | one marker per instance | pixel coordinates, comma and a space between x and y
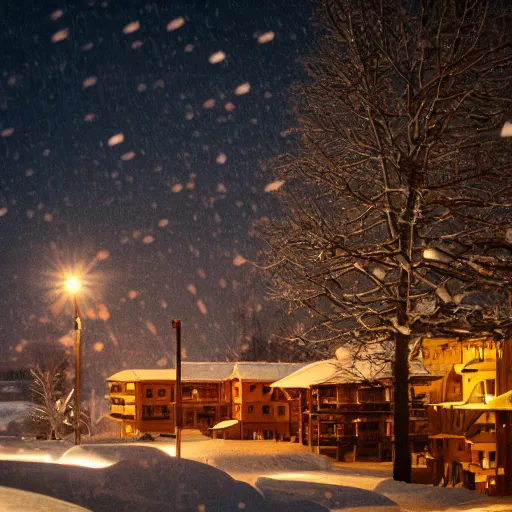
286, 474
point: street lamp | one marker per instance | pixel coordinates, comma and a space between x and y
73, 286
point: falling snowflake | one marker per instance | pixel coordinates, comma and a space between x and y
266, 37
176, 23
130, 155
89, 82
243, 89
61, 35
118, 138
221, 158
217, 57
131, 27
202, 307
7, 132
275, 185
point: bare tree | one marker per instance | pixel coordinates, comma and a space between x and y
396, 209
51, 404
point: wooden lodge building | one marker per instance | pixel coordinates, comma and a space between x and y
346, 410
143, 400
470, 429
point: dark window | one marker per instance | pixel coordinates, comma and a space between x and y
252, 387
281, 411
490, 387
115, 388
161, 393
250, 408
149, 393
265, 409
267, 389
237, 391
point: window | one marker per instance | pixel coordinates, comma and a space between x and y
281, 410
252, 387
130, 386
250, 408
490, 387
149, 393
237, 391
265, 409
161, 393
115, 388
150, 412
267, 389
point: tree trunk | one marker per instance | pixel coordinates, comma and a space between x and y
402, 459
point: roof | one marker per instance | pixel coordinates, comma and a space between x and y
191, 371
211, 371
320, 372
501, 403
268, 372
224, 424
138, 375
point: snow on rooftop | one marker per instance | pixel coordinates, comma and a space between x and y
264, 371
138, 375
209, 371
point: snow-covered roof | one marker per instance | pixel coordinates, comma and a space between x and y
500, 402
268, 372
191, 371
224, 424
145, 375
321, 372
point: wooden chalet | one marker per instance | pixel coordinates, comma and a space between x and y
143, 401
471, 427
346, 410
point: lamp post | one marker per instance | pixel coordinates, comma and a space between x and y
178, 414
73, 286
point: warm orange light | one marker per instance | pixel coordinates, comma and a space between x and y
72, 285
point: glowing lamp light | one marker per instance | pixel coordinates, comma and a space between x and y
72, 285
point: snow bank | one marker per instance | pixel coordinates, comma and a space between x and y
14, 500
148, 485
333, 497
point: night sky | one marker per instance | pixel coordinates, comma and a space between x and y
198, 97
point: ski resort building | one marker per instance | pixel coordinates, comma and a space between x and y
470, 429
346, 408
143, 401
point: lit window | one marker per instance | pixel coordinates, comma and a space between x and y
130, 386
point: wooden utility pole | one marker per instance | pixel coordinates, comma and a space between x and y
176, 324
78, 329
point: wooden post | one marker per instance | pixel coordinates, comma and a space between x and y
176, 324
78, 330
301, 420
